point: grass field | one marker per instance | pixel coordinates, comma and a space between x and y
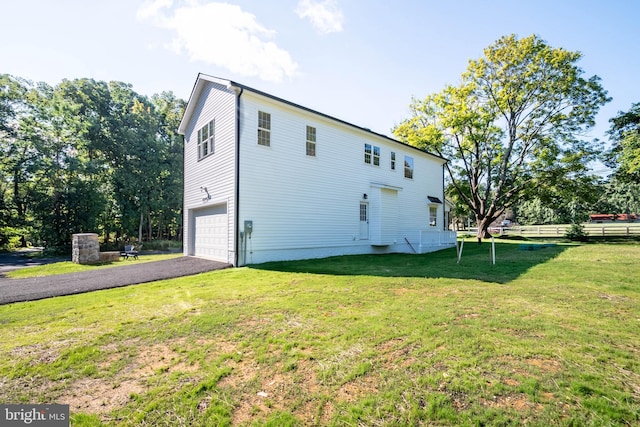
542, 338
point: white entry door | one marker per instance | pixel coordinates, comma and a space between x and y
364, 221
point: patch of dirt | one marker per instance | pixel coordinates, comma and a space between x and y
395, 353
545, 365
100, 396
96, 396
519, 402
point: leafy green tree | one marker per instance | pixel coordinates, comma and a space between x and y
511, 125
619, 196
87, 155
625, 153
169, 111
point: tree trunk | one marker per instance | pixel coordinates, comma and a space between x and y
140, 227
483, 228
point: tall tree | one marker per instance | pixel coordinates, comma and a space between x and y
511, 125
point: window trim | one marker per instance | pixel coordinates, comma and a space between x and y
408, 167
433, 220
311, 139
206, 146
371, 154
264, 132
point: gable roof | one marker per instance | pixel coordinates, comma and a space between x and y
203, 79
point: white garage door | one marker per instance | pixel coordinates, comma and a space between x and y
211, 233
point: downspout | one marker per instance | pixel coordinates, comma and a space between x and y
236, 207
444, 203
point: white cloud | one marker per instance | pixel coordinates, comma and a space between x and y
224, 35
325, 16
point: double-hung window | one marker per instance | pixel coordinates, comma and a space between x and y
371, 155
311, 141
264, 128
206, 139
393, 160
408, 167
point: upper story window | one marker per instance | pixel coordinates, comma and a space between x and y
264, 128
311, 141
408, 167
372, 154
393, 160
206, 140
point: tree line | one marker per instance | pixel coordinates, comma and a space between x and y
88, 156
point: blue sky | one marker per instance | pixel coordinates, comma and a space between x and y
358, 60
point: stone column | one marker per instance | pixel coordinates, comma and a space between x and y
85, 248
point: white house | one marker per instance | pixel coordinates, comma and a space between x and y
266, 180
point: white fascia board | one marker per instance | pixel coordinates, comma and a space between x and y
201, 81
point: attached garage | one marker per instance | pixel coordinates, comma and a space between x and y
210, 228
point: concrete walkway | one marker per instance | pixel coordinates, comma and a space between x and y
19, 290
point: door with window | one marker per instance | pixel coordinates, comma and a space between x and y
364, 221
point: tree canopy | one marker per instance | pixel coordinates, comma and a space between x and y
512, 125
88, 156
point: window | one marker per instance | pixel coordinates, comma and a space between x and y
371, 154
393, 161
206, 140
264, 128
408, 167
311, 141
433, 216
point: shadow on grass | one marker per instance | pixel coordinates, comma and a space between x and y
511, 262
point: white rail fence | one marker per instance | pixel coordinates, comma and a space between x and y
594, 230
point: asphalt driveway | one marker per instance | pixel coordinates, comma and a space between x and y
19, 290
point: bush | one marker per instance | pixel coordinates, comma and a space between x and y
576, 233
10, 237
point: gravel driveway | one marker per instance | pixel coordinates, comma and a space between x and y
18, 290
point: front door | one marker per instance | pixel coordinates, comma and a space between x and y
364, 221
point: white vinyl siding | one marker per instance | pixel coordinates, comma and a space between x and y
217, 174
311, 209
301, 206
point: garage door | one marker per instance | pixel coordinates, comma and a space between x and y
211, 233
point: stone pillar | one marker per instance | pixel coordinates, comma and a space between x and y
85, 248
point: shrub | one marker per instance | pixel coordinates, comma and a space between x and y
10, 237
577, 233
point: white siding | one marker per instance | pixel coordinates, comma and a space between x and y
304, 207
215, 172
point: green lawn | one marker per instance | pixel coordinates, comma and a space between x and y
543, 338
